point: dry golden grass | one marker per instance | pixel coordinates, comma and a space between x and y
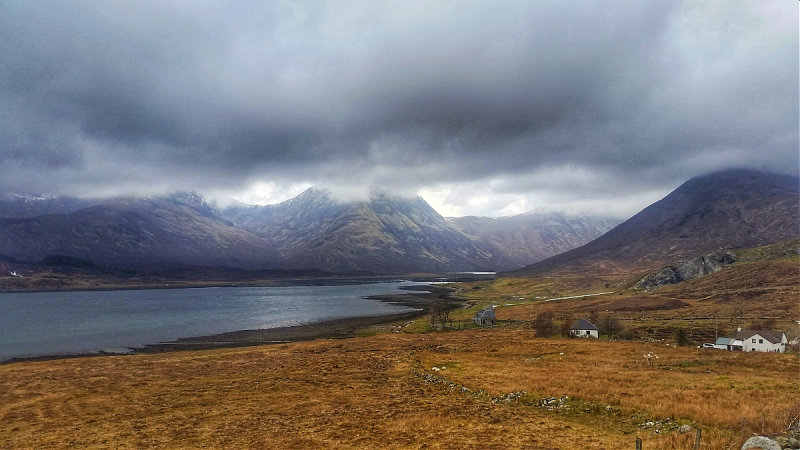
359, 393
713, 389
371, 392
381, 391
744, 294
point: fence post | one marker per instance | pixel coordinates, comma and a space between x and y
638, 443
697, 439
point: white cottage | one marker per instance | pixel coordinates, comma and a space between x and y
761, 341
584, 329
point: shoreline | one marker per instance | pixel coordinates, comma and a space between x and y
179, 284
267, 282
422, 298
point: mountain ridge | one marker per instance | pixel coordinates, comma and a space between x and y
391, 234
533, 236
735, 208
136, 232
383, 234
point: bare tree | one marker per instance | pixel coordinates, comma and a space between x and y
440, 317
681, 338
610, 325
565, 326
543, 324
737, 315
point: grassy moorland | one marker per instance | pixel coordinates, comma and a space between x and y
402, 390
502, 387
761, 290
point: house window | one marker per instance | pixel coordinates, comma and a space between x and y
588, 332
753, 340
760, 341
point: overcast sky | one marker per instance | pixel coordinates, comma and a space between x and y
482, 107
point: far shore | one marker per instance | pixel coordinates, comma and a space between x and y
120, 285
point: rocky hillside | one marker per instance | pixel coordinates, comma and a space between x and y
394, 234
176, 230
383, 234
386, 234
687, 269
527, 238
729, 209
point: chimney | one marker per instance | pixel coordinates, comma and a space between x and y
738, 329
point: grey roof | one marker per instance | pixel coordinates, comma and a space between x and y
724, 341
774, 337
486, 314
583, 324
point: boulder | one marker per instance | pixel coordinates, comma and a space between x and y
761, 442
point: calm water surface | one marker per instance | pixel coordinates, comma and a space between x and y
52, 323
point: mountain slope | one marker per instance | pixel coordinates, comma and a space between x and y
17, 206
177, 230
383, 234
730, 209
527, 238
393, 234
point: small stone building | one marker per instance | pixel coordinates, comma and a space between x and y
485, 318
584, 329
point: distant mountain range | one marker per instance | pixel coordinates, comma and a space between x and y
730, 209
130, 232
518, 240
391, 234
383, 234
395, 234
386, 234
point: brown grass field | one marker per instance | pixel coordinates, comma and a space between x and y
759, 291
382, 392
447, 389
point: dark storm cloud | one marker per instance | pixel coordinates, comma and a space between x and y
546, 99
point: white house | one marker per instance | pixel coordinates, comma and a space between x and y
485, 318
761, 341
584, 329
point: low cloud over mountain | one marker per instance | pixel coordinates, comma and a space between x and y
494, 107
729, 209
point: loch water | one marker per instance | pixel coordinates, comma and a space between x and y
60, 323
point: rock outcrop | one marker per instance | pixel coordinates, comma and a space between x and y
761, 442
687, 269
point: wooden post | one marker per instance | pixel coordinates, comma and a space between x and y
638, 443
697, 439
